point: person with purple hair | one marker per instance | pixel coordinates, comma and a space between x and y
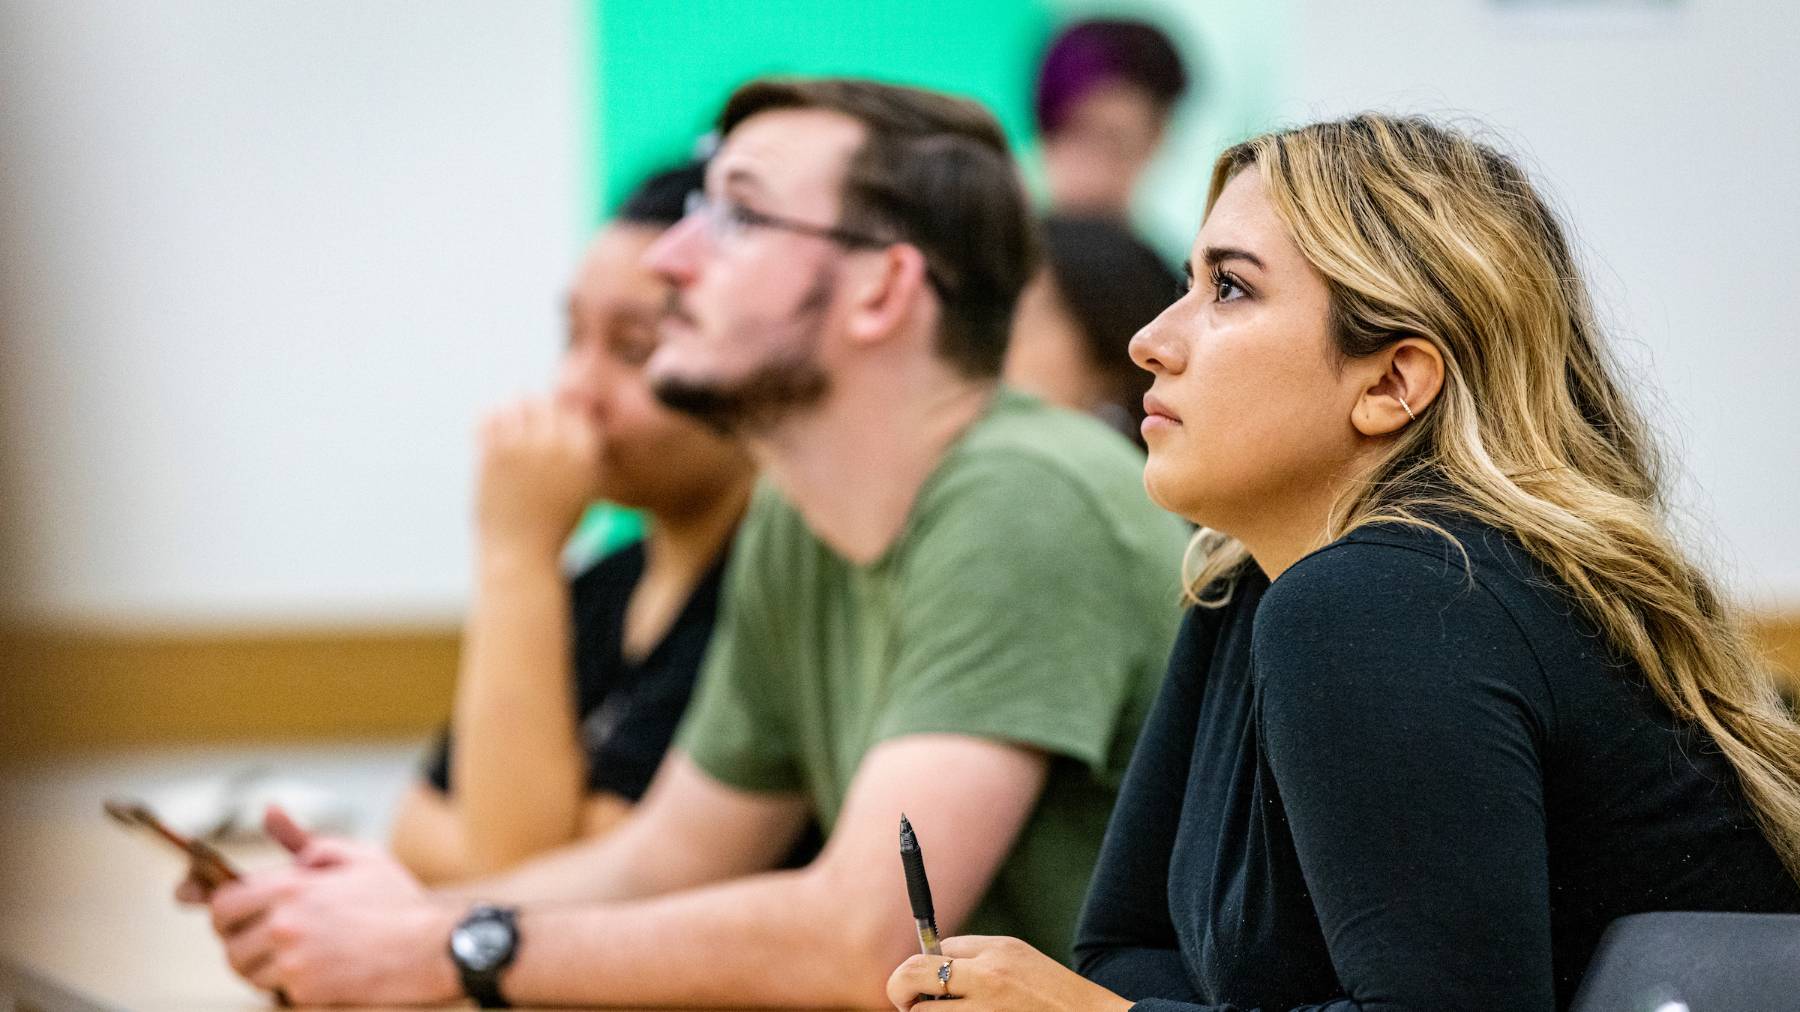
1104, 94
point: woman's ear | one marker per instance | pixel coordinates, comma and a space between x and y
1410, 376
883, 296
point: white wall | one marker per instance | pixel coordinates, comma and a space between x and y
260, 264
1669, 134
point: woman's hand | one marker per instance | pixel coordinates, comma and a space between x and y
1001, 975
540, 468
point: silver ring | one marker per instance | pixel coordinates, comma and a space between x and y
944, 977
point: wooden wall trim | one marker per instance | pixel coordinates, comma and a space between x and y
68, 689
1779, 637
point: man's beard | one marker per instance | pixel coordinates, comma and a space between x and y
790, 381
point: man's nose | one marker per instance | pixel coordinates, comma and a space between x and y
675, 255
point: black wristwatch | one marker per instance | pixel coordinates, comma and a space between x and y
482, 944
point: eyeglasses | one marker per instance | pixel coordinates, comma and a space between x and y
726, 220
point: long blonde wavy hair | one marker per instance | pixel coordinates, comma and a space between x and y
1419, 230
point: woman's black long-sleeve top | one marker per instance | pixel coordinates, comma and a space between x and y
1388, 781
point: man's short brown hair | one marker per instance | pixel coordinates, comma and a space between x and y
934, 171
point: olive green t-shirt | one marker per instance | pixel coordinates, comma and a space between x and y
1031, 598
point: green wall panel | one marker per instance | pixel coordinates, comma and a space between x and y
663, 68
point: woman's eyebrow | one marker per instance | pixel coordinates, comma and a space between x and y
1216, 255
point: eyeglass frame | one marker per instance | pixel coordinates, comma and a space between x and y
712, 210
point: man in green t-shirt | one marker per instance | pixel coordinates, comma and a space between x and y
947, 600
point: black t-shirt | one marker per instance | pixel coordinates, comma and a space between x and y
1390, 782
628, 711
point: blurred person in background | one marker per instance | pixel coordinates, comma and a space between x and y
1104, 94
1070, 338
1451, 698
947, 600
570, 690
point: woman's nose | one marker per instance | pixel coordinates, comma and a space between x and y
579, 384
1157, 347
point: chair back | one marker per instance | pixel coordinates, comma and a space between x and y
1695, 962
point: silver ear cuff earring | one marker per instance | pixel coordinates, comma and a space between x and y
1408, 407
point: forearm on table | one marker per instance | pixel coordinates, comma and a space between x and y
825, 936
782, 939
588, 871
427, 838
517, 767
427, 834
688, 831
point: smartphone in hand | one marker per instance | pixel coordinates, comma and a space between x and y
207, 865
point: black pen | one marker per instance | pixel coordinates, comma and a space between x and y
918, 890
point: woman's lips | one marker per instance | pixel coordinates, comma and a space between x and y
1157, 417
1154, 408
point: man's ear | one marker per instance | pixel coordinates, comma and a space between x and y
886, 292
1400, 382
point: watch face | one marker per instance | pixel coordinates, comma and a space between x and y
481, 944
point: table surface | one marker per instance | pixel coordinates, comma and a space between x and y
88, 922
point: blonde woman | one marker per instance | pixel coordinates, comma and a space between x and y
1450, 698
